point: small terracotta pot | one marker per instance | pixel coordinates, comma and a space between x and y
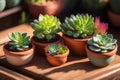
39, 46
114, 18
57, 60
18, 58
50, 8
101, 60
76, 46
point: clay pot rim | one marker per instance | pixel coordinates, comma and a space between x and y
109, 11
22, 53
65, 54
47, 4
107, 54
77, 39
36, 42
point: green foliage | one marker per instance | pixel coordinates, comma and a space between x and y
102, 43
79, 26
115, 6
19, 41
37, 1
56, 49
95, 3
45, 27
34, 1
23, 18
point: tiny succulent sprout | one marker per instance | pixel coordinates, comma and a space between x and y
19, 41
45, 27
79, 26
56, 49
102, 43
100, 26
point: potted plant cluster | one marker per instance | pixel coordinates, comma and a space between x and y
56, 54
114, 12
76, 31
101, 49
45, 32
19, 51
50, 7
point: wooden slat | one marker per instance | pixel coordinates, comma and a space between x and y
6, 74
10, 11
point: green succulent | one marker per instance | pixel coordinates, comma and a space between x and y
19, 41
115, 6
37, 1
78, 26
46, 27
102, 43
56, 49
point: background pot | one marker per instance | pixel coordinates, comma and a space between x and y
101, 60
51, 8
114, 18
18, 58
76, 46
2, 5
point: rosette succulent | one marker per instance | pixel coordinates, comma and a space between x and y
45, 27
78, 26
102, 43
56, 49
19, 41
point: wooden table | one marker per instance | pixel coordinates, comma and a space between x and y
76, 68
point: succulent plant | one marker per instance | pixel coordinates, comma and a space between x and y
19, 41
100, 26
95, 3
46, 27
79, 26
115, 5
102, 43
56, 49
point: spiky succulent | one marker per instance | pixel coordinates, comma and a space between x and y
45, 27
101, 43
19, 41
56, 49
79, 26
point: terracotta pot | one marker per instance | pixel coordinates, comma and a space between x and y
101, 60
114, 18
39, 46
18, 58
50, 8
76, 46
57, 60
